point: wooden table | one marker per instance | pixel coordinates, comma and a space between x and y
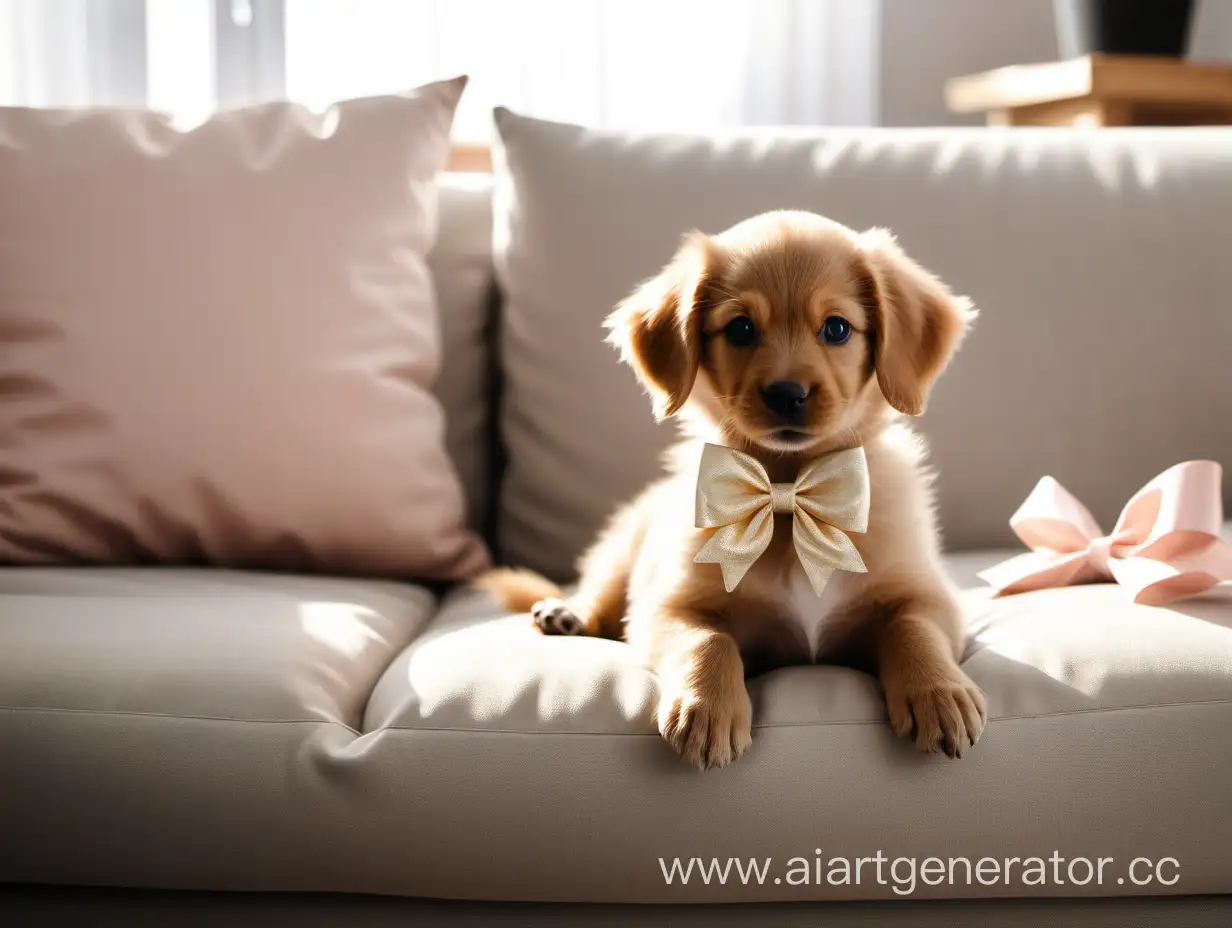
1099, 90
470, 159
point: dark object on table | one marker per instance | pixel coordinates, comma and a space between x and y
1123, 27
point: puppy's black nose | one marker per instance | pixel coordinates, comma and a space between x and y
786, 399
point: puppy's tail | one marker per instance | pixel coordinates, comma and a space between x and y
516, 588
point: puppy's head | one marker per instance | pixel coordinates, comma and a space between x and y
801, 330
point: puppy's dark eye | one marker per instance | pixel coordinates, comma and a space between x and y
740, 332
835, 330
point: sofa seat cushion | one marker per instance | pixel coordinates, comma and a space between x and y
489, 762
199, 644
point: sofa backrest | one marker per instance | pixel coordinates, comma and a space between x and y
1101, 263
461, 265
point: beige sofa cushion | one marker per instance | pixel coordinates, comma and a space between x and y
1097, 261
217, 345
234, 731
201, 644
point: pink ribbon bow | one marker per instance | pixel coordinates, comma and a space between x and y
1165, 545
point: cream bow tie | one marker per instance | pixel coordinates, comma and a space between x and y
829, 499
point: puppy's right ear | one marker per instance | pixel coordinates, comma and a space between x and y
658, 329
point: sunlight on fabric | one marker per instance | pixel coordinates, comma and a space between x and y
1092, 640
343, 627
504, 673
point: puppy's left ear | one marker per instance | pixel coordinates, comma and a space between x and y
918, 322
658, 329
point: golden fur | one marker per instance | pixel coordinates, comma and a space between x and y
787, 272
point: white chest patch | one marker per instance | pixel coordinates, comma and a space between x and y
808, 610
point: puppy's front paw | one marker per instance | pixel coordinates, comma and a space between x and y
554, 617
945, 715
708, 729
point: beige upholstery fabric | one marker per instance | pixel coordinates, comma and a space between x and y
1096, 260
461, 266
234, 731
200, 645
217, 345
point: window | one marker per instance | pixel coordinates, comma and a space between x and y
647, 64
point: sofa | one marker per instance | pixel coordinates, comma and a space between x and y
207, 746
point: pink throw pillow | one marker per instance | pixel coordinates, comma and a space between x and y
216, 345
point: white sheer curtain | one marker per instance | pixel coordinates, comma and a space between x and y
651, 64
55, 53
629, 63
126, 52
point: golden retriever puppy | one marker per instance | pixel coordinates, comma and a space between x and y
786, 337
